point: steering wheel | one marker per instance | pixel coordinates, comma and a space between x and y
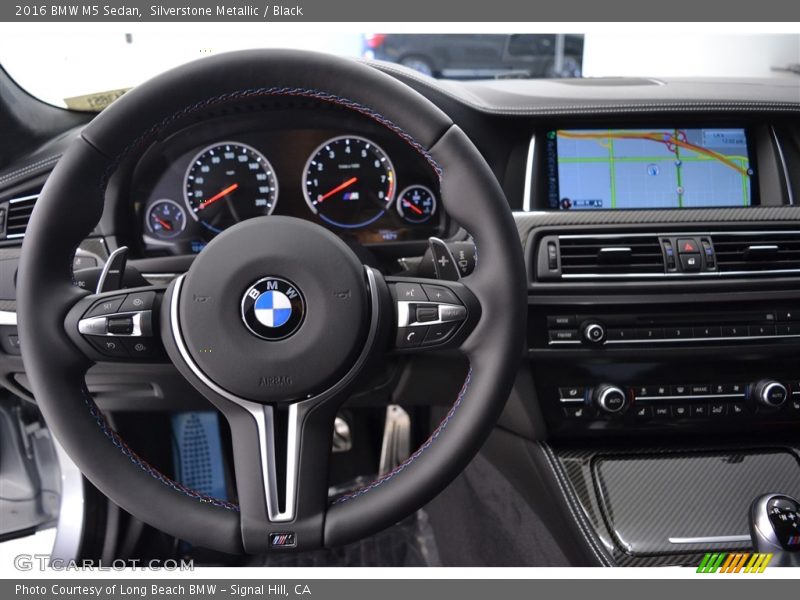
278, 378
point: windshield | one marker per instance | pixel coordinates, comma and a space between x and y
87, 71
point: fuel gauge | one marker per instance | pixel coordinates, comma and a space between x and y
416, 204
166, 219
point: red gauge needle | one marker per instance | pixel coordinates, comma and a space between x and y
216, 197
164, 224
416, 209
337, 189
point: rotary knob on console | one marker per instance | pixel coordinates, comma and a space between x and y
610, 399
594, 332
770, 393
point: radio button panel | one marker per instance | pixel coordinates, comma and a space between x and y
669, 329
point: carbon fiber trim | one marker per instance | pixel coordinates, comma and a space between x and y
637, 498
600, 548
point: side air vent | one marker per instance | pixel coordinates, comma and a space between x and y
16, 213
757, 252
608, 256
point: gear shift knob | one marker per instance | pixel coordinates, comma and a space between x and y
775, 528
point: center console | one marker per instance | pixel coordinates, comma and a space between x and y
626, 335
664, 265
663, 328
693, 383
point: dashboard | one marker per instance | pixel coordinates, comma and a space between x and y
659, 224
352, 178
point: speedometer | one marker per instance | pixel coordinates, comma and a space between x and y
349, 182
227, 183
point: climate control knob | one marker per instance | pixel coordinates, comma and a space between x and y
610, 399
770, 393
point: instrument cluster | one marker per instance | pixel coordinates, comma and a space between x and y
366, 185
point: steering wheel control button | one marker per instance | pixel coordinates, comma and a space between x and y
449, 313
438, 334
120, 325
111, 347
427, 313
410, 337
93, 326
138, 324
409, 292
273, 308
440, 312
107, 306
438, 293
138, 301
140, 348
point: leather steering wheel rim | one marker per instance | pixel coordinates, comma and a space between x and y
71, 205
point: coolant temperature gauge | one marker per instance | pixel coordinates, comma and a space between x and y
166, 219
416, 204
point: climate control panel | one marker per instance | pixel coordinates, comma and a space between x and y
766, 399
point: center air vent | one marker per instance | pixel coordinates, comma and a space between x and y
609, 255
678, 254
758, 252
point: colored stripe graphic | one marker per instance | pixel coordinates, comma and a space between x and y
730, 563
735, 562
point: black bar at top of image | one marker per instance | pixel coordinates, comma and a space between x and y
448, 11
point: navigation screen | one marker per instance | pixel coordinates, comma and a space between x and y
601, 169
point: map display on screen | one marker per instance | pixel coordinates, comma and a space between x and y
601, 169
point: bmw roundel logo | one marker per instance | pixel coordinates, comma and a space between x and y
273, 308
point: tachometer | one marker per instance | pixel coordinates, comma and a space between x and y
227, 183
349, 182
